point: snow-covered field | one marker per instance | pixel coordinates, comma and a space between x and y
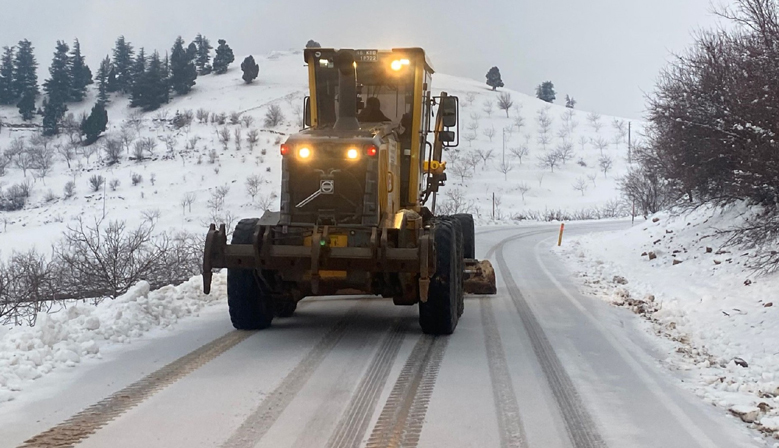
81, 331
187, 168
722, 318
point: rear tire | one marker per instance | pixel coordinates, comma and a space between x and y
469, 234
285, 307
247, 298
440, 314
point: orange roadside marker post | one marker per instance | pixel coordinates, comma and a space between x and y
560, 238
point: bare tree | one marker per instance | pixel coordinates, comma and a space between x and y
544, 121
544, 140
519, 122
67, 151
505, 167
583, 142
224, 136
96, 182
569, 122
187, 201
565, 151
473, 126
594, 119
520, 152
202, 116
126, 136
135, 120
601, 144
252, 137
487, 107
112, 147
605, 164
69, 190
235, 117
469, 137
273, 117
42, 159
171, 142
470, 97
617, 140
247, 120
462, 170
485, 155
505, 102
455, 201
592, 177
489, 133
5, 160
238, 138
217, 200
550, 160
523, 188
24, 161
253, 184
580, 185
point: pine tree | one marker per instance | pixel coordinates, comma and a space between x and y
7, 93
103, 75
202, 57
58, 88
80, 74
95, 124
224, 57
312, 44
123, 65
25, 70
182, 69
27, 105
250, 69
545, 91
112, 83
192, 51
151, 90
493, 78
138, 68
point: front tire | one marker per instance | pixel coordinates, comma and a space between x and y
248, 299
440, 313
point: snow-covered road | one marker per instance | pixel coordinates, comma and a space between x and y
538, 365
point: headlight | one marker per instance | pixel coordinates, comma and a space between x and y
398, 64
304, 153
352, 154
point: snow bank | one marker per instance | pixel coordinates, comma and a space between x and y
64, 339
723, 318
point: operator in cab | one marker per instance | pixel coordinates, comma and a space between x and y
372, 112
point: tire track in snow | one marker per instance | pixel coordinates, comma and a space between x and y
355, 419
512, 432
87, 422
401, 419
257, 424
579, 425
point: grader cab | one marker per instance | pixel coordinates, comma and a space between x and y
355, 183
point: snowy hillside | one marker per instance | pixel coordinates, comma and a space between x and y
192, 162
718, 312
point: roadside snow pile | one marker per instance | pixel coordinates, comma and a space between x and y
724, 318
63, 339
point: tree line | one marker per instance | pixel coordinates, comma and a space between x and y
148, 79
714, 123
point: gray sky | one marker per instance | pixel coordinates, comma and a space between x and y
606, 53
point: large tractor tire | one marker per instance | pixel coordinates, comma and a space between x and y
458, 230
249, 301
440, 313
469, 234
284, 307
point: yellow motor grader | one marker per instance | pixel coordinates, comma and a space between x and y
355, 184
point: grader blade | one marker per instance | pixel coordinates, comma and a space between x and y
479, 277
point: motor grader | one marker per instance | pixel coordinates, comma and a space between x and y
355, 184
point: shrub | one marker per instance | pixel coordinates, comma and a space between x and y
96, 182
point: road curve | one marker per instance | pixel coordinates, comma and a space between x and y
538, 365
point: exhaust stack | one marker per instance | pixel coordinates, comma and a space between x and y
347, 92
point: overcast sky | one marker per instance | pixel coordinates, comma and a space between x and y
605, 53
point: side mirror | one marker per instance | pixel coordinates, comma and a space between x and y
446, 136
449, 106
307, 112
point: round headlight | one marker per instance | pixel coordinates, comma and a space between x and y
304, 153
352, 154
